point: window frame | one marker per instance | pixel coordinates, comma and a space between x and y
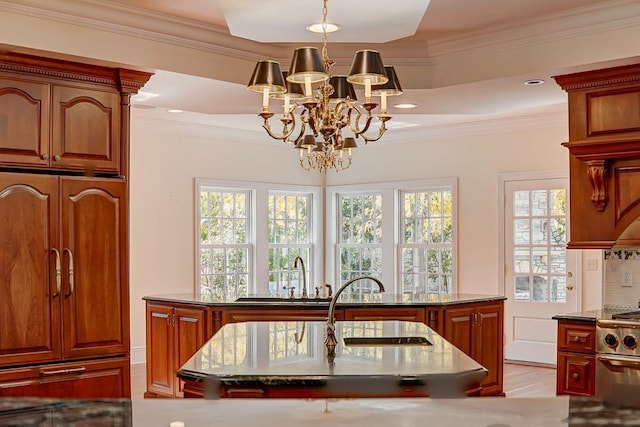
391, 226
257, 235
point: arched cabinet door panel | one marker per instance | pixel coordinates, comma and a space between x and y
94, 258
86, 129
24, 122
29, 296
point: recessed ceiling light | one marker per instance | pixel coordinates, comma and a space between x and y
174, 111
317, 28
405, 106
534, 82
143, 96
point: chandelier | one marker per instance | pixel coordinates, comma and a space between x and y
321, 116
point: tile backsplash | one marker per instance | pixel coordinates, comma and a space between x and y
622, 278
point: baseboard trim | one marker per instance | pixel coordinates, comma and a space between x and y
138, 355
533, 364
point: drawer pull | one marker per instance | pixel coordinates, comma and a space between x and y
64, 371
575, 376
576, 339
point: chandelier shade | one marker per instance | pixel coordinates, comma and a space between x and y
307, 66
391, 87
294, 90
367, 65
267, 75
342, 89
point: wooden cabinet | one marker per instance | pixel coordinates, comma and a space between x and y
174, 334
576, 358
104, 378
69, 289
64, 268
253, 314
477, 330
604, 156
58, 115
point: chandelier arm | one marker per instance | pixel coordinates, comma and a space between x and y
354, 126
286, 132
381, 132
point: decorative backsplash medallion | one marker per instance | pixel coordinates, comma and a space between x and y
622, 254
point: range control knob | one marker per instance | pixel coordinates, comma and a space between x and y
611, 340
630, 342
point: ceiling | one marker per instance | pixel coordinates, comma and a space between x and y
458, 60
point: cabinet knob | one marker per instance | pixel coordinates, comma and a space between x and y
44, 156
56, 158
575, 376
576, 339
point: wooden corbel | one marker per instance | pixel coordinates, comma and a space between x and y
598, 173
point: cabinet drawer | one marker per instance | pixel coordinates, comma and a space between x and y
577, 336
104, 378
576, 374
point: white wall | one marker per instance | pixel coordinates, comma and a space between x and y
164, 165
616, 291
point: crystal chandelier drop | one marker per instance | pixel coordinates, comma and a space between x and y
321, 115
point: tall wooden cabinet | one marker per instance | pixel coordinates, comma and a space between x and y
64, 291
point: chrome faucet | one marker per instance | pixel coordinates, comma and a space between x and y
304, 276
330, 340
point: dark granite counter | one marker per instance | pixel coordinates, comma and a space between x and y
293, 354
562, 411
593, 315
376, 299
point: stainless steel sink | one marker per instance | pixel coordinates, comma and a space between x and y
282, 299
379, 341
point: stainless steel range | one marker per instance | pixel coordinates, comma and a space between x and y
618, 359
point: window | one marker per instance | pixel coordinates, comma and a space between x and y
360, 239
290, 232
402, 233
539, 245
426, 241
235, 257
225, 249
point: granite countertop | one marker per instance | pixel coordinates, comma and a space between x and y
294, 354
375, 299
593, 315
562, 411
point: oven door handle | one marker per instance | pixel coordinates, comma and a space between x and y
620, 361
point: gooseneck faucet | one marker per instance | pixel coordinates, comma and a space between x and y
304, 276
330, 340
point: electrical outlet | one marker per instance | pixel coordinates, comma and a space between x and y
627, 279
592, 264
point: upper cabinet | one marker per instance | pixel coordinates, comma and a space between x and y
604, 156
64, 116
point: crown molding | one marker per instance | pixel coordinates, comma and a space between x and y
554, 116
130, 21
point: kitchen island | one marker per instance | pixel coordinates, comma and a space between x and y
373, 358
180, 324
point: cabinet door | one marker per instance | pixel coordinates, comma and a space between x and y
29, 298
488, 338
189, 328
458, 328
24, 123
161, 371
94, 266
86, 129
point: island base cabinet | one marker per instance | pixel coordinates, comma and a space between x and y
576, 373
174, 334
477, 330
106, 378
